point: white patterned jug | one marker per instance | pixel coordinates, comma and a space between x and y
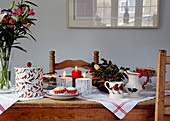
115, 89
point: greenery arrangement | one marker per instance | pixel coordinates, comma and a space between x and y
14, 25
108, 71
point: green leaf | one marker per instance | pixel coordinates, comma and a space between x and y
127, 69
30, 22
21, 37
12, 5
6, 10
31, 3
31, 36
110, 63
25, 29
104, 61
23, 5
20, 48
16, 43
30, 19
26, 15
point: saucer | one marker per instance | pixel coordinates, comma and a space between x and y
65, 94
61, 97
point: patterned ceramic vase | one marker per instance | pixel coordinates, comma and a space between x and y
29, 82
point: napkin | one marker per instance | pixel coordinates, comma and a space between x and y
7, 100
120, 107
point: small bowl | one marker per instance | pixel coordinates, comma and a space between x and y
71, 90
59, 90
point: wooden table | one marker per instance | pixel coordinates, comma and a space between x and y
75, 109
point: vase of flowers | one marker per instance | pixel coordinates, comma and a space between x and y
107, 71
14, 25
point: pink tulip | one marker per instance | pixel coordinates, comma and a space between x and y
30, 12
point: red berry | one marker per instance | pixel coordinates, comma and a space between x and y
29, 64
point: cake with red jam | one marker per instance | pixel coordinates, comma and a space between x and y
139, 69
148, 70
59, 90
71, 90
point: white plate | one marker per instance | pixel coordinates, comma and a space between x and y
65, 94
61, 97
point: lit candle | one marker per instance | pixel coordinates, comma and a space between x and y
84, 75
64, 73
64, 81
84, 85
76, 73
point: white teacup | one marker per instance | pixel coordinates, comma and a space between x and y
115, 89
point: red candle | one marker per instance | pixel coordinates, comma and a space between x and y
76, 73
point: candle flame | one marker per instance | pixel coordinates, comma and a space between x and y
75, 67
84, 75
64, 73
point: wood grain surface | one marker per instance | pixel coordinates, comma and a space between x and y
75, 110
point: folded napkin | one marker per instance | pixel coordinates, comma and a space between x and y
7, 100
120, 107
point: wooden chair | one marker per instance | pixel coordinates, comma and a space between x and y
162, 85
69, 63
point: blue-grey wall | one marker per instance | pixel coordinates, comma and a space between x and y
125, 47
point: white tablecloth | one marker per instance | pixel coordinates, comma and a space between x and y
120, 107
7, 100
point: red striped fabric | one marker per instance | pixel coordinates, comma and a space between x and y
2, 108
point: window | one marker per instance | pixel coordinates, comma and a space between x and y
109, 13
104, 11
127, 3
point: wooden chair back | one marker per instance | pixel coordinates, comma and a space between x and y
69, 63
162, 85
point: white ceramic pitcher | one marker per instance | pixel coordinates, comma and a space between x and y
133, 87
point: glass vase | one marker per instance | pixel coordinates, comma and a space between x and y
5, 83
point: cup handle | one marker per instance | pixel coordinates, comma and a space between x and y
147, 79
106, 85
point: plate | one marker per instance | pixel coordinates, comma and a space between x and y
51, 93
62, 97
